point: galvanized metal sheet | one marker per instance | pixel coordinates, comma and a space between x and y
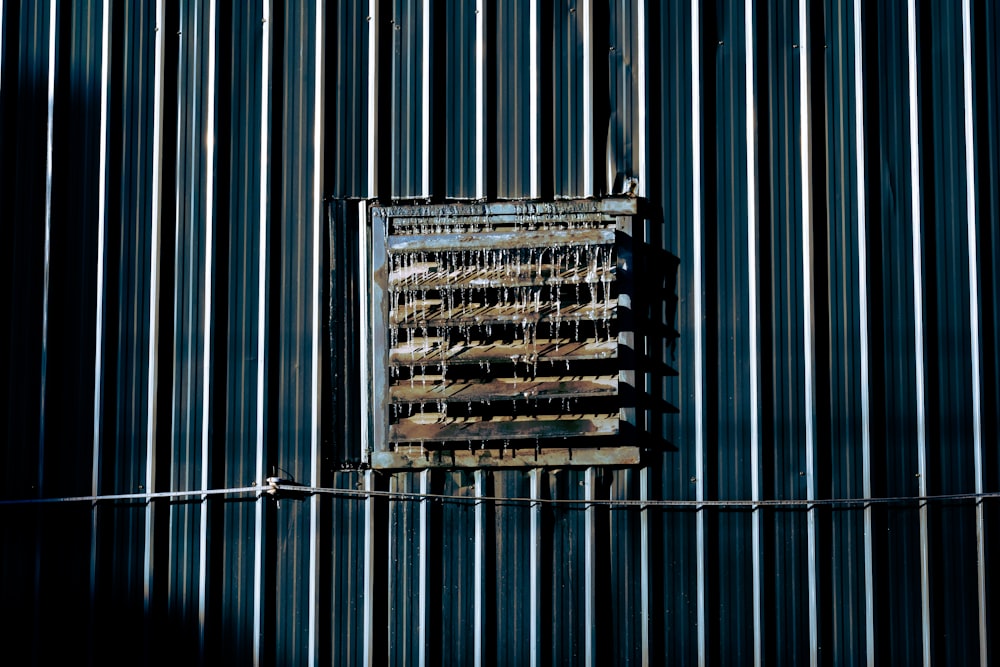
817, 246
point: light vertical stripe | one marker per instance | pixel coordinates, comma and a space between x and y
641, 73
480, 99
154, 300
977, 415
644, 575
479, 596
365, 307
49, 130
207, 342
372, 120
918, 328
315, 401
805, 126
425, 143
755, 454
699, 330
423, 544
262, 280
95, 473
534, 120
590, 569
587, 28
534, 557
866, 456
368, 597
1, 43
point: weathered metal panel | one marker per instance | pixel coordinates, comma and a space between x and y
675, 239
986, 96
566, 24
842, 335
191, 417
782, 321
65, 462
463, 112
349, 124
242, 295
729, 417
414, 140
893, 381
818, 254
948, 346
298, 221
516, 50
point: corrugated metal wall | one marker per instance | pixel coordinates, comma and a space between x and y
181, 200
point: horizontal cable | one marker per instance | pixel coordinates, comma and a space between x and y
137, 496
283, 489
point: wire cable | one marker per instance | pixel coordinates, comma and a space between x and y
282, 489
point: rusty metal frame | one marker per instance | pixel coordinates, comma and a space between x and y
379, 450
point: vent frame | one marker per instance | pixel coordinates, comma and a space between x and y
596, 229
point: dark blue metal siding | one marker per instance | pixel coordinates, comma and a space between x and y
948, 351
456, 104
729, 557
512, 53
894, 428
412, 101
783, 364
986, 19
347, 121
722, 348
840, 409
230, 625
671, 232
297, 221
562, 117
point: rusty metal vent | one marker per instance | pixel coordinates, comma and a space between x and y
499, 333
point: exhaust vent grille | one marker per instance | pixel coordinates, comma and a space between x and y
500, 332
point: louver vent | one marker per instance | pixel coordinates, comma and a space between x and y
500, 332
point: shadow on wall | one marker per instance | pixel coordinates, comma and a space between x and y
50, 616
654, 313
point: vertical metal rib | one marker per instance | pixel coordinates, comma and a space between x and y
641, 131
479, 600
918, 326
644, 591
423, 544
480, 99
755, 454
363, 343
1, 44
372, 121
534, 120
866, 456
641, 74
315, 399
590, 570
699, 333
977, 417
262, 280
207, 347
588, 97
368, 593
49, 129
807, 324
95, 472
425, 91
535, 548
154, 289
